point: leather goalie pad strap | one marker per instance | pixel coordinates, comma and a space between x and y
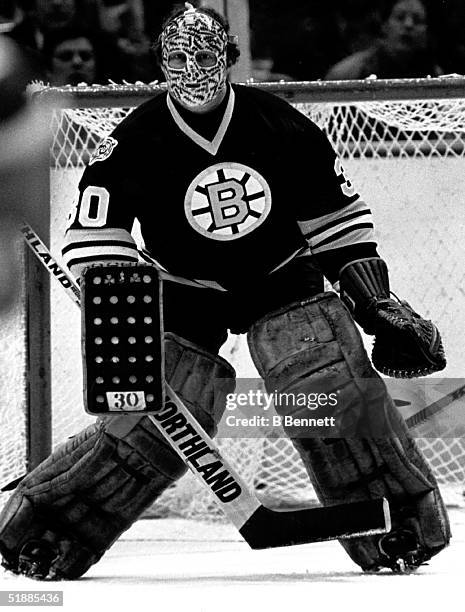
314, 346
97, 484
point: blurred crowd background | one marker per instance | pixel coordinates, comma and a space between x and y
94, 41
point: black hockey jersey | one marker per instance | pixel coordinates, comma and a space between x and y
267, 187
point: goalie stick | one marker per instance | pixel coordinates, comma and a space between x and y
41, 251
435, 407
260, 527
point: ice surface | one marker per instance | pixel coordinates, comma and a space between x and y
173, 565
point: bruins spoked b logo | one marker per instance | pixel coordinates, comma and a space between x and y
227, 201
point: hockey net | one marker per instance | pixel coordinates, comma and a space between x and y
403, 145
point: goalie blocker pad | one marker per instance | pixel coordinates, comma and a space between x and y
367, 451
122, 327
73, 506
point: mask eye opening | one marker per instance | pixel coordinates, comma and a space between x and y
206, 59
176, 60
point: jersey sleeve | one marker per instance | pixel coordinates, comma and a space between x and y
335, 221
99, 227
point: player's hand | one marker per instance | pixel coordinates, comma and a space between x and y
406, 345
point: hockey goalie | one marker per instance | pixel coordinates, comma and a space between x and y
237, 190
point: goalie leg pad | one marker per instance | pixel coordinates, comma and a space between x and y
368, 452
73, 506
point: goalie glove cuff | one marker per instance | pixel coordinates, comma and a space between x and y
363, 284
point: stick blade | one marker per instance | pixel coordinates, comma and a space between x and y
271, 529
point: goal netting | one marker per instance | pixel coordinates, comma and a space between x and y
402, 144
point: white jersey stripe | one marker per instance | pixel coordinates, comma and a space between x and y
84, 246
314, 224
94, 252
355, 236
86, 235
316, 239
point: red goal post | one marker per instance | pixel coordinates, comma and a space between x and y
403, 145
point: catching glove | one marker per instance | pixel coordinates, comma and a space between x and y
406, 345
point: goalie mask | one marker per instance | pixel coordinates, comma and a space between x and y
194, 57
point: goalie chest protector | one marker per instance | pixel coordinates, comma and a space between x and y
212, 209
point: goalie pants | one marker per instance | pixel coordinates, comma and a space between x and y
204, 316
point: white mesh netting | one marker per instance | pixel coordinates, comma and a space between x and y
408, 161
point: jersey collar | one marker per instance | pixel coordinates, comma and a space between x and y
209, 146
